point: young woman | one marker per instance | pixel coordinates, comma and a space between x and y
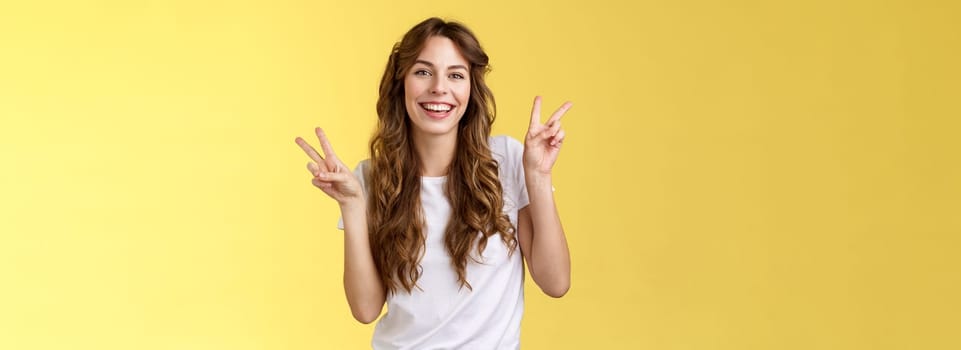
437, 221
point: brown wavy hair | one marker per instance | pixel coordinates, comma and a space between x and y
395, 216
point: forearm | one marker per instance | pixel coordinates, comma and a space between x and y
550, 259
365, 292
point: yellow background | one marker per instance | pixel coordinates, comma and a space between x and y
737, 174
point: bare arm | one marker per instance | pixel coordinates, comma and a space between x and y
365, 292
543, 242
362, 285
540, 233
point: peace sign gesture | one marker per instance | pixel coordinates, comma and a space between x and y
330, 174
543, 141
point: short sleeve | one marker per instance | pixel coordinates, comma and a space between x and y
509, 154
515, 151
359, 173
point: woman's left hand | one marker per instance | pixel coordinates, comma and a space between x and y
543, 141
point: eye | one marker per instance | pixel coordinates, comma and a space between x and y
457, 76
422, 72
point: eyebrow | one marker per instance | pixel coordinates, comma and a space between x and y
432, 65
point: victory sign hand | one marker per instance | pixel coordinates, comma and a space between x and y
543, 141
330, 174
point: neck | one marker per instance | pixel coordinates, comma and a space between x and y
436, 152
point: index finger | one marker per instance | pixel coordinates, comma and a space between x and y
536, 112
311, 152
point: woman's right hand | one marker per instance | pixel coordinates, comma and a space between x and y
330, 174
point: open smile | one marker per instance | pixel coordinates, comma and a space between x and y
437, 110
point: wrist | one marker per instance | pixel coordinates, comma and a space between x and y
352, 204
539, 181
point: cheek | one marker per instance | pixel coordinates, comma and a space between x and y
408, 88
463, 92
411, 93
413, 84
408, 98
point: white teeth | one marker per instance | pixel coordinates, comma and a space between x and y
436, 107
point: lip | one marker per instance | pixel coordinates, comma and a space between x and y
433, 114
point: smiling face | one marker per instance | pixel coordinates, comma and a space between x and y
437, 88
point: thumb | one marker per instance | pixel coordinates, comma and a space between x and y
339, 177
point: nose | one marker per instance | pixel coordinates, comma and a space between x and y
438, 87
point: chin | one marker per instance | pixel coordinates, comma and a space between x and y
439, 130
431, 126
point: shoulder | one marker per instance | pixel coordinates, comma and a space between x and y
504, 147
361, 168
363, 165
360, 171
509, 155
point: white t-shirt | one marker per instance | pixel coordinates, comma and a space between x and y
441, 314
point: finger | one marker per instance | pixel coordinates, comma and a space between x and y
544, 132
313, 168
536, 131
553, 128
560, 111
325, 143
558, 139
321, 184
311, 152
337, 177
340, 166
536, 113
328, 150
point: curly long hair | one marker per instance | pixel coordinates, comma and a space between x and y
395, 216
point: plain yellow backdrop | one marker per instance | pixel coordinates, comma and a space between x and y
737, 174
